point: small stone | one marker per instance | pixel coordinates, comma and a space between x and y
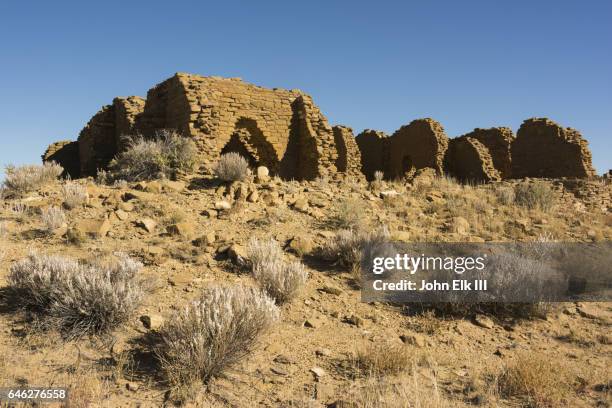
279, 371
311, 324
153, 187
210, 213
413, 339
253, 196
282, 359
132, 386
323, 352
205, 240
263, 174
302, 245
318, 372
332, 290
121, 215
93, 228
127, 207
183, 229
355, 321
483, 321
147, 224
389, 194
301, 204
152, 321
238, 254
222, 205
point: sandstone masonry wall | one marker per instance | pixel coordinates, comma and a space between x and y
349, 156
418, 145
544, 149
373, 147
469, 160
66, 154
498, 140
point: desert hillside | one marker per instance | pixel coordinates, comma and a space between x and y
305, 337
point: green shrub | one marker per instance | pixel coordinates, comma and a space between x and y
144, 159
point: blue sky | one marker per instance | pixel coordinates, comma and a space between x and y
367, 64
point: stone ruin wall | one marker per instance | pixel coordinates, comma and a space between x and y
349, 156
373, 148
482, 155
544, 149
418, 145
281, 129
286, 132
469, 160
498, 141
66, 154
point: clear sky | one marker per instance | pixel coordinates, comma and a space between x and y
370, 64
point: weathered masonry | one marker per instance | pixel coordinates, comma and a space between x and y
285, 131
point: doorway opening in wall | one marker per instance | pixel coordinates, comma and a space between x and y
407, 165
236, 145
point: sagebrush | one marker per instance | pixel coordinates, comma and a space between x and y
78, 298
281, 280
213, 333
147, 159
52, 218
19, 180
74, 194
232, 167
535, 195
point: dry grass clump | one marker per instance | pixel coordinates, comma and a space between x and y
52, 218
404, 391
378, 359
75, 195
213, 333
535, 195
505, 194
232, 167
347, 246
24, 179
164, 156
3, 229
281, 280
536, 379
75, 298
349, 214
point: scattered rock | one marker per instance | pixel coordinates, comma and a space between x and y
301, 204
183, 229
355, 321
253, 196
205, 240
332, 290
238, 254
121, 215
93, 228
222, 205
301, 244
413, 339
127, 207
388, 194
152, 321
262, 174
147, 224
483, 321
318, 372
